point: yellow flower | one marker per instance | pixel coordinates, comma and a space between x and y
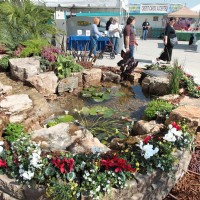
137, 164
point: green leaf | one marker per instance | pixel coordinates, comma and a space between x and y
71, 176
50, 171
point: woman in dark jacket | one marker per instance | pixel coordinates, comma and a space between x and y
169, 33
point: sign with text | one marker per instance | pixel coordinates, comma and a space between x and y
154, 8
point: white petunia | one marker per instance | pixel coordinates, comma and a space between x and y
1, 149
178, 134
148, 149
169, 137
170, 126
1, 142
28, 175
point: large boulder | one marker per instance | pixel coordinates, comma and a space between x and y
68, 84
189, 113
23, 68
92, 77
67, 136
45, 83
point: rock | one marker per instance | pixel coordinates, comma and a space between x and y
11, 187
110, 77
68, 84
142, 127
155, 73
4, 120
5, 89
190, 101
16, 103
155, 85
57, 137
190, 113
92, 77
88, 144
79, 76
23, 68
45, 83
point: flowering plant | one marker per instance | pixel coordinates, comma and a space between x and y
90, 174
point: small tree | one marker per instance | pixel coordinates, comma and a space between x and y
21, 20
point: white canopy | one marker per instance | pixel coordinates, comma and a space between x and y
85, 3
196, 8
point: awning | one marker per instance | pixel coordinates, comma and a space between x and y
184, 12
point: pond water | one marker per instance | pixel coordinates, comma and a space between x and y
132, 104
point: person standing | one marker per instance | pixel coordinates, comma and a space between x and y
114, 31
145, 27
169, 33
94, 35
129, 36
108, 23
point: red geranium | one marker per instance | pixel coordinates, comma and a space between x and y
119, 164
146, 139
3, 163
175, 125
64, 164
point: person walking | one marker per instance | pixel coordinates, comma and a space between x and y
94, 35
145, 27
114, 31
170, 33
129, 36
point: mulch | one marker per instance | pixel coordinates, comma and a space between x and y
188, 187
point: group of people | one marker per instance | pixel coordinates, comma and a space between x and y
114, 30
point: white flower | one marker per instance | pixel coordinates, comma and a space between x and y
28, 175
170, 126
1, 149
1, 143
169, 137
66, 112
98, 188
148, 149
178, 134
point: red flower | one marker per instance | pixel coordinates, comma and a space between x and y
146, 139
119, 164
3, 163
175, 125
198, 87
63, 165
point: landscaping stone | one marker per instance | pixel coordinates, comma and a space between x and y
143, 127
155, 85
16, 103
110, 77
79, 76
67, 136
45, 83
155, 73
5, 89
68, 84
23, 68
92, 77
190, 113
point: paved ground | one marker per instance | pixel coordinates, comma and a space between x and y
149, 50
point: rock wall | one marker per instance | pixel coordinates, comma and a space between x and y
153, 186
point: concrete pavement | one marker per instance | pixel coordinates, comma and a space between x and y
148, 50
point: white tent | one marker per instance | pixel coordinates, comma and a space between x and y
196, 8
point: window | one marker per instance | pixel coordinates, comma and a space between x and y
155, 18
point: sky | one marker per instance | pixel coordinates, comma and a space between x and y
188, 3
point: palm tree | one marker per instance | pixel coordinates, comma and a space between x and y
21, 20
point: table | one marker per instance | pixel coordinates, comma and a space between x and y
82, 43
185, 35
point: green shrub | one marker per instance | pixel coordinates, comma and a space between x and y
4, 64
176, 75
13, 132
66, 65
157, 107
33, 47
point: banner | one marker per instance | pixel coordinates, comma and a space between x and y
154, 8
